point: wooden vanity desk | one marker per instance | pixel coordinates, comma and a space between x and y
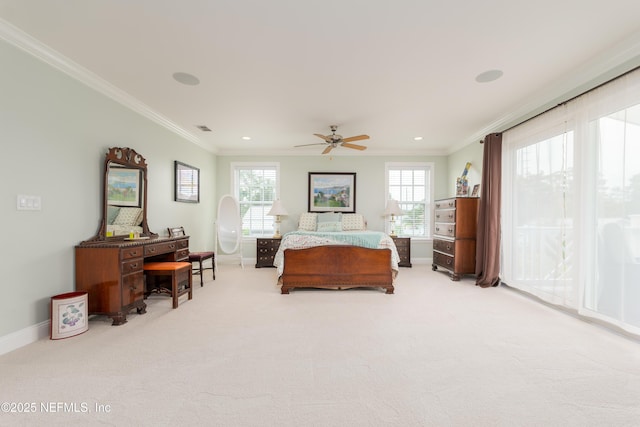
112, 272
109, 266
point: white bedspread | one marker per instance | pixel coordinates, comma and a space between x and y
309, 239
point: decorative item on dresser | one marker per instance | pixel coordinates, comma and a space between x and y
266, 249
454, 240
403, 245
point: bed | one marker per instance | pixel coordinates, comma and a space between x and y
354, 258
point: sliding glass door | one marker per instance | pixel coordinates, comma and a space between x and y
571, 205
615, 290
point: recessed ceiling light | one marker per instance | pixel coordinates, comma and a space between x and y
246, 138
489, 76
417, 138
186, 79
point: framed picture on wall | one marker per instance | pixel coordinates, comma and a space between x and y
332, 192
187, 187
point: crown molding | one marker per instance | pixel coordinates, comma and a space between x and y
39, 50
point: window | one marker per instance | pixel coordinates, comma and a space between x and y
256, 186
410, 185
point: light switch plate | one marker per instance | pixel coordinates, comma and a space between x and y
29, 203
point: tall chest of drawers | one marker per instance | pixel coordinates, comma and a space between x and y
454, 240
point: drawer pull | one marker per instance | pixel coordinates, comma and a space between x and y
172, 246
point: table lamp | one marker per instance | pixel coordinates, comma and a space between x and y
393, 210
277, 210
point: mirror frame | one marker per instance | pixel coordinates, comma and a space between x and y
229, 223
128, 158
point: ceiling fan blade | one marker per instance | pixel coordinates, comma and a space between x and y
355, 146
306, 145
355, 138
326, 138
326, 150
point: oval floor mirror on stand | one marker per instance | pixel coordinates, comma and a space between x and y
229, 227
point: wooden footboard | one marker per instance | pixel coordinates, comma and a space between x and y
337, 267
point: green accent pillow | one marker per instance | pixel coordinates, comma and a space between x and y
330, 226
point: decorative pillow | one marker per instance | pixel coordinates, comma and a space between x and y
112, 213
352, 222
330, 226
128, 216
140, 217
329, 217
308, 221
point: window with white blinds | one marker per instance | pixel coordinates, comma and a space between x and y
411, 185
256, 186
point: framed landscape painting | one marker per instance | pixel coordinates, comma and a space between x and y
123, 187
332, 192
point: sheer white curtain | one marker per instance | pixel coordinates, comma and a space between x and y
571, 204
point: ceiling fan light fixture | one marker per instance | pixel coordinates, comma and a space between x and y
333, 141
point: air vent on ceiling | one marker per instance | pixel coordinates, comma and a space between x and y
203, 128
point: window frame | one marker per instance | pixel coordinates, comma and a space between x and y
429, 168
235, 188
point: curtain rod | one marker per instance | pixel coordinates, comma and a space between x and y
570, 99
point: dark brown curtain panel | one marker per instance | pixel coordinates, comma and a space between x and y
488, 237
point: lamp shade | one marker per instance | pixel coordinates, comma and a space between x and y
277, 209
393, 208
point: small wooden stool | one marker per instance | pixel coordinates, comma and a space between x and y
180, 272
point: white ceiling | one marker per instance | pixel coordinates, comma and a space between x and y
281, 70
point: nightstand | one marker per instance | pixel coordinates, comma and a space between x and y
266, 249
403, 245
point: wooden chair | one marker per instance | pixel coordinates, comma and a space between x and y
179, 274
198, 257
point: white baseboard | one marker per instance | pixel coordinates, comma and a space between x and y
24, 336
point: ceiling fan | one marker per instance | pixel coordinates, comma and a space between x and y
334, 140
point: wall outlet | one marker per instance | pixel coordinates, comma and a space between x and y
29, 203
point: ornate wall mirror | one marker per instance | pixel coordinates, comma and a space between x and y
124, 207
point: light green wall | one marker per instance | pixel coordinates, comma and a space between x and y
370, 186
55, 132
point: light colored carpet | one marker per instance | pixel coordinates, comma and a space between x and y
437, 353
